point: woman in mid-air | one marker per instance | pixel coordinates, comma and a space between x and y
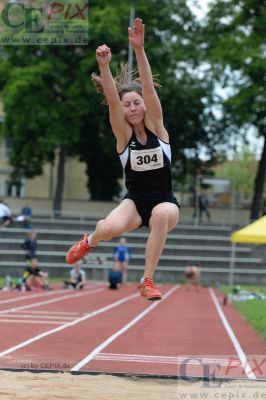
142, 143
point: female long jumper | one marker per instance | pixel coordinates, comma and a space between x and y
142, 143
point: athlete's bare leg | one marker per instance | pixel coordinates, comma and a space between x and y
123, 218
164, 218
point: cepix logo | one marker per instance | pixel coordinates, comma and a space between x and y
22, 19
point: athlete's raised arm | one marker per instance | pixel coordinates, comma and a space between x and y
116, 114
150, 96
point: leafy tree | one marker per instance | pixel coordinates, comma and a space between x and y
242, 168
51, 88
235, 45
61, 113
43, 108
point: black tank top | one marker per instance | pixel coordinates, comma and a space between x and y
147, 167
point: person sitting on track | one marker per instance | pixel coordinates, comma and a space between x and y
33, 276
77, 277
192, 274
142, 143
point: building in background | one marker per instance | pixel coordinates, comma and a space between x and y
43, 186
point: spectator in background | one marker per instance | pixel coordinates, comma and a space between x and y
204, 206
115, 277
33, 276
30, 245
25, 216
192, 274
77, 277
121, 256
5, 214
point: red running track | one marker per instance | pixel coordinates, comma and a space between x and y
187, 333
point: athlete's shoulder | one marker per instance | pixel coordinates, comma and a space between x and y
157, 129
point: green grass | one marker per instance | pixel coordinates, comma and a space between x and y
254, 311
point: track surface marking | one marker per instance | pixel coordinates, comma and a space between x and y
100, 330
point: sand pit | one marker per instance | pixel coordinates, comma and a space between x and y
65, 386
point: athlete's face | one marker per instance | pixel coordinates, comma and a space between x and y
134, 107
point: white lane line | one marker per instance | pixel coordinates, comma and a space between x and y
32, 296
232, 336
67, 297
141, 358
68, 325
97, 350
19, 321
53, 312
37, 316
50, 293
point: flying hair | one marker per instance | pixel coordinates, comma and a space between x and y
125, 81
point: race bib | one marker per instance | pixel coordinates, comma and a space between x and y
145, 160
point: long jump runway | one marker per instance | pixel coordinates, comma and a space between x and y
98, 330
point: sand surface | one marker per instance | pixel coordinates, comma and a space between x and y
66, 386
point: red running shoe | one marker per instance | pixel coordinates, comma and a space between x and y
149, 290
78, 250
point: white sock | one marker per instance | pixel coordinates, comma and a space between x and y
142, 280
89, 240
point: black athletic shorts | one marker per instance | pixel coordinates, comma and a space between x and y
145, 206
34, 271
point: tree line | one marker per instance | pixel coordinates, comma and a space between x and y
212, 76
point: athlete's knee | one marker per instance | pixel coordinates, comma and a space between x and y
105, 229
159, 218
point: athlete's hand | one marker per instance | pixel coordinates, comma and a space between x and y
103, 55
136, 35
